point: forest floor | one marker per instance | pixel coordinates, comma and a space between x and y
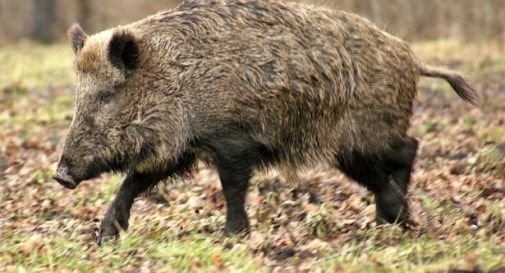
457, 195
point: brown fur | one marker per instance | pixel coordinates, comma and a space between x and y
310, 85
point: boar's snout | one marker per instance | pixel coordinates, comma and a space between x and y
64, 177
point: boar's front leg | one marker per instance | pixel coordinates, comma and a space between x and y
116, 217
118, 213
235, 183
236, 159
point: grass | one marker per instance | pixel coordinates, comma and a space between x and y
57, 253
456, 198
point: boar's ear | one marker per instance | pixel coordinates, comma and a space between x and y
77, 37
123, 50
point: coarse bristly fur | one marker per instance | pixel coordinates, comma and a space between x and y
246, 85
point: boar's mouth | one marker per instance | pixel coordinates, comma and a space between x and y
67, 183
70, 178
64, 178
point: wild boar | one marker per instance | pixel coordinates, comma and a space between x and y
244, 85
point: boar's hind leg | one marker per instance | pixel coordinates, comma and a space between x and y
390, 196
390, 199
387, 176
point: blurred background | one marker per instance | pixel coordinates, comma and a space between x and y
471, 20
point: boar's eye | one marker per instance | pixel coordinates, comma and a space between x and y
106, 96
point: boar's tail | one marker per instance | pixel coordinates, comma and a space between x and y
456, 80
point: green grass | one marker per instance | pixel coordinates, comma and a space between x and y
26, 67
196, 252
461, 217
413, 255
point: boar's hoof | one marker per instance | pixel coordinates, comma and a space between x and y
108, 231
238, 226
401, 221
111, 225
103, 237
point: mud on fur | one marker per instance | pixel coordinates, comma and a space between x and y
245, 85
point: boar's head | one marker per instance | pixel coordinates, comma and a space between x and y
106, 132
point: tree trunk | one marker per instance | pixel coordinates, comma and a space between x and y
44, 19
83, 12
